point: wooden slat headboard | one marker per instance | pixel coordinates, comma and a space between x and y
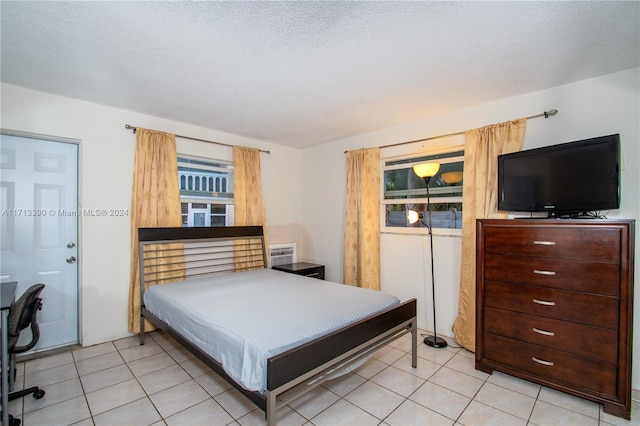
174, 254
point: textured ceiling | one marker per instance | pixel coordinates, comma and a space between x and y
304, 73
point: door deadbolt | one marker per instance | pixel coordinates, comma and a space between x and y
71, 245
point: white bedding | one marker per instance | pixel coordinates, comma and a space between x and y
242, 319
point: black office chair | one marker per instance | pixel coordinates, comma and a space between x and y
22, 314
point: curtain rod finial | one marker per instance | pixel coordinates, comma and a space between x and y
550, 113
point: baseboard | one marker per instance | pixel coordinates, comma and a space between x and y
27, 356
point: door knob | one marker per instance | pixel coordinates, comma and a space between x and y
71, 245
71, 259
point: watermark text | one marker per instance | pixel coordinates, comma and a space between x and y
65, 212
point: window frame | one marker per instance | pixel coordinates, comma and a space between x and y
384, 229
228, 202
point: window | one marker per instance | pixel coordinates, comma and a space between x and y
405, 192
206, 191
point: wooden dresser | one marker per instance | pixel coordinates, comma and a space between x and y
554, 305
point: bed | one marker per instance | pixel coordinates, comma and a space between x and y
272, 335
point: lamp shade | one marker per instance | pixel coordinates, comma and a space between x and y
452, 178
413, 216
426, 170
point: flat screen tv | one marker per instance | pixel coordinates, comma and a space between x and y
570, 179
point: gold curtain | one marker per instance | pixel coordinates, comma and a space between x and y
155, 201
480, 192
362, 221
247, 198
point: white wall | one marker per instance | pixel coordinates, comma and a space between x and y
594, 107
106, 158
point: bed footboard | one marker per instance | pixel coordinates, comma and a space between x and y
299, 370
292, 364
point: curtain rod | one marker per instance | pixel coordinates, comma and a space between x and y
545, 114
126, 126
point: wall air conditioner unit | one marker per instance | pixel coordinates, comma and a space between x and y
281, 254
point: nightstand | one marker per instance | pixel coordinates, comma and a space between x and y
303, 268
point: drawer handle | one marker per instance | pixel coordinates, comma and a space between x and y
545, 243
539, 361
315, 274
539, 272
543, 332
544, 302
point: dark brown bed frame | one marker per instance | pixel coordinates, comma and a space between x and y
171, 254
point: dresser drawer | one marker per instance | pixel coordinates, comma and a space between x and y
561, 367
581, 243
593, 342
577, 275
584, 308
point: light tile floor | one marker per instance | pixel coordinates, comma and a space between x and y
123, 383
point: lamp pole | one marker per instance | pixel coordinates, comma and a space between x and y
433, 341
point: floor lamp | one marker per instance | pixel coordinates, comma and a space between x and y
426, 171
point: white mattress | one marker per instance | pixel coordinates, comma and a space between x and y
242, 319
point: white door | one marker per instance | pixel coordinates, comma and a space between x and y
39, 224
199, 215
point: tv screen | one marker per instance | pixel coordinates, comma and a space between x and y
567, 179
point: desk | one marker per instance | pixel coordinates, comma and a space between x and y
7, 297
